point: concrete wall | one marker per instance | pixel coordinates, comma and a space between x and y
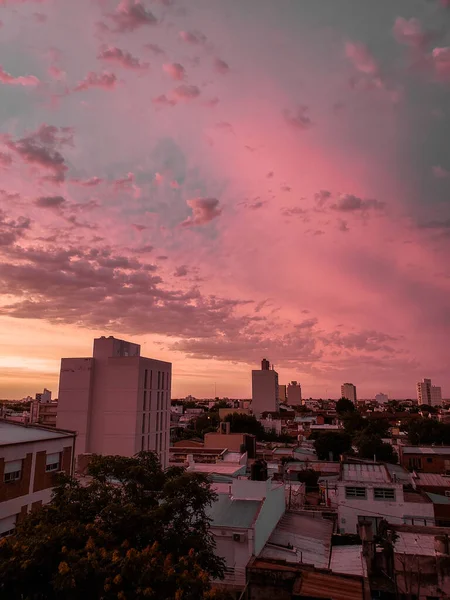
264, 392
271, 512
231, 441
74, 398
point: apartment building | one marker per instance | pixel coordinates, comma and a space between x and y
30, 457
366, 492
117, 401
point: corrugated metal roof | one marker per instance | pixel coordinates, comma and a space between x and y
401, 474
227, 512
365, 472
432, 479
300, 538
437, 498
347, 559
12, 433
439, 450
219, 468
314, 584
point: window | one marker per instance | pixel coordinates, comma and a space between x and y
355, 492
7, 526
145, 402
429, 459
145, 378
52, 462
159, 380
143, 423
151, 379
383, 494
13, 471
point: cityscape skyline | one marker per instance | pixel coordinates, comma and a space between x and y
218, 196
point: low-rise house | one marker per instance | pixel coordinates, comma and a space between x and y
432, 482
426, 459
366, 492
30, 458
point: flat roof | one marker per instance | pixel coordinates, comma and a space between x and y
365, 472
221, 468
421, 544
15, 433
230, 512
301, 539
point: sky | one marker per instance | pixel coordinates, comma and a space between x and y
223, 181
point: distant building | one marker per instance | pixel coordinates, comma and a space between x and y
294, 393
30, 457
428, 394
117, 401
381, 398
265, 395
282, 393
45, 396
348, 390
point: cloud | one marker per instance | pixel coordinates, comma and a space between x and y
122, 58
322, 197
154, 48
105, 80
5, 159
175, 71
361, 58
410, 33
50, 201
186, 92
350, 203
11, 230
25, 81
181, 271
441, 61
42, 148
193, 37
440, 173
293, 211
299, 119
221, 66
365, 340
204, 210
163, 100
130, 15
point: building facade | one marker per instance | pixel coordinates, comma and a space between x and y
428, 394
265, 393
294, 393
348, 390
29, 459
117, 401
282, 393
381, 398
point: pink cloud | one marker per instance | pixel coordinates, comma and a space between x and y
441, 61
154, 48
175, 71
130, 15
121, 57
409, 32
221, 66
26, 81
163, 100
299, 119
362, 59
204, 210
5, 159
106, 81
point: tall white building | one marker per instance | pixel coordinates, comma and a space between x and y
348, 390
381, 398
117, 401
294, 393
282, 393
265, 393
428, 394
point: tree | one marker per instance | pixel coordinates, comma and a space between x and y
377, 425
343, 405
334, 443
428, 431
353, 422
371, 445
245, 424
219, 404
132, 532
309, 477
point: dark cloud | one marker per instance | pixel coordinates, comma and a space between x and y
221, 66
193, 37
50, 201
350, 203
186, 92
181, 271
11, 230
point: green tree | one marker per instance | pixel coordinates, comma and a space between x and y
428, 431
245, 424
371, 445
353, 422
132, 532
334, 443
343, 405
377, 425
219, 404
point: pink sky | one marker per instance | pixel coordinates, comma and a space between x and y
222, 181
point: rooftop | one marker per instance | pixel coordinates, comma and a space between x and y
300, 538
437, 498
438, 450
432, 479
348, 559
222, 468
421, 544
228, 512
365, 472
17, 433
